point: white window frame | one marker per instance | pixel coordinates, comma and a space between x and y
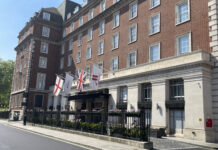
130, 39
113, 38
177, 42
89, 51
101, 62
101, 32
115, 23
102, 6
45, 31
150, 48
72, 25
115, 1
78, 57
177, 21
90, 34
46, 16
151, 25
41, 77
112, 60
69, 60
44, 46
80, 37
121, 98
128, 59
152, 4
62, 63
130, 10
63, 49
70, 44
43, 62
100, 52
91, 14
81, 21
88, 73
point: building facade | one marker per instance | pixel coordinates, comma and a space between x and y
154, 54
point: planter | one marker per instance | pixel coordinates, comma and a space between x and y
145, 104
122, 105
175, 104
157, 133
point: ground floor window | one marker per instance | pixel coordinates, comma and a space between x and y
38, 100
177, 120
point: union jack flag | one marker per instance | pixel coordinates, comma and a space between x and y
81, 80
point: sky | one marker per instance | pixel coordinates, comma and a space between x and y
13, 16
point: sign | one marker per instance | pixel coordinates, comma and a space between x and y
209, 123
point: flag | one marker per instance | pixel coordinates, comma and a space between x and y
96, 73
58, 86
81, 80
68, 83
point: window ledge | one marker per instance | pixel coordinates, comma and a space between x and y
115, 27
132, 18
132, 42
154, 33
180, 23
154, 7
114, 48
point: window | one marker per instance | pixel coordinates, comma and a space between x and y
146, 92
81, 21
177, 89
133, 33
101, 27
101, 65
116, 19
46, 16
76, 9
89, 52
182, 11
43, 62
123, 94
38, 101
131, 59
23, 81
80, 39
102, 6
71, 45
40, 81
183, 43
101, 47
154, 50
45, 31
115, 41
115, 1
64, 32
72, 27
133, 10
44, 48
62, 49
154, 3
114, 64
88, 70
69, 60
155, 23
62, 63
90, 31
78, 57
91, 14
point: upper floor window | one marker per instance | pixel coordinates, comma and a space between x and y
44, 48
71, 44
88, 70
102, 6
177, 89
115, 1
62, 63
115, 41
101, 65
62, 49
64, 32
101, 27
154, 51
154, 3
80, 39
78, 57
183, 43
81, 21
114, 64
90, 33
123, 94
89, 52
69, 62
116, 19
146, 92
46, 16
182, 11
131, 59
101, 47
43, 62
40, 81
72, 27
45, 31
133, 12
155, 23
91, 14
133, 33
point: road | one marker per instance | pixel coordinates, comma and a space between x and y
15, 139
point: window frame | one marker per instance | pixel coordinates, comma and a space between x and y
115, 24
112, 60
101, 52
146, 87
78, 57
154, 6
103, 3
101, 62
177, 43
177, 21
69, 60
130, 36
151, 25
159, 50
79, 40
128, 59
72, 27
37, 81
100, 27
46, 16
46, 46
71, 44
87, 52
41, 58
44, 32
81, 21
113, 46
90, 30
130, 10
91, 14
177, 97
121, 94
62, 63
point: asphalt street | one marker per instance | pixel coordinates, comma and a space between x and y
15, 139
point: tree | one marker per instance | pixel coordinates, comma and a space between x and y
6, 75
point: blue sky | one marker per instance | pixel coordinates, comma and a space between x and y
13, 16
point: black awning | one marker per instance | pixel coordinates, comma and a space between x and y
89, 95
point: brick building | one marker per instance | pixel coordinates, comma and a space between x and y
156, 54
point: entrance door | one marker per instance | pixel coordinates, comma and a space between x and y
177, 121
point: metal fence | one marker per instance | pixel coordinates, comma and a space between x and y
4, 114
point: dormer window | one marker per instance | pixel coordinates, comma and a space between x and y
76, 9
46, 16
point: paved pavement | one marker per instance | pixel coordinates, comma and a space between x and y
159, 144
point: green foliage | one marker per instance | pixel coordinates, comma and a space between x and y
6, 75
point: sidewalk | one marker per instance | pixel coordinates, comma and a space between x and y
91, 143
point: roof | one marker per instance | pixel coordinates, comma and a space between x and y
52, 10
